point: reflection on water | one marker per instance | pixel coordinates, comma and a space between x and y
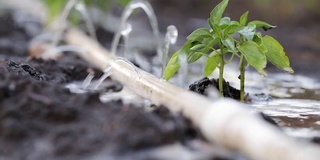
300, 115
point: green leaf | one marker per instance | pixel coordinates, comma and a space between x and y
212, 62
232, 29
199, 34
211, 44
244, 18
276, 54
225, 22
174, 63
194, 56
217, 31
172, 66
254, 56
260, 24
248, 31
197, 47
257, 38
211, 23
229, 43
217, 12
207, 40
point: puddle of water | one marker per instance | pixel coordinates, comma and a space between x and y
298, 117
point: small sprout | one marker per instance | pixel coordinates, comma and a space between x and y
251, 48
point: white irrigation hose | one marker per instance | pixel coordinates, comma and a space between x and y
225, 122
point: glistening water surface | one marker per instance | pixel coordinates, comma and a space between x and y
295, 104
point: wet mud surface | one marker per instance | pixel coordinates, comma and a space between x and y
41, 119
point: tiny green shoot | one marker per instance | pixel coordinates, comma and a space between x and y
251, 47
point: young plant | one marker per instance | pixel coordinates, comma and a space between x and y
251, 47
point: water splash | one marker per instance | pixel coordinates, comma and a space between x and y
105, 75
183, 70
144, 5
80, 7
171, 38
62, 21
86, 82
125, 32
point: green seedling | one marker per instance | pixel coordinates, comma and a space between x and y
251, 47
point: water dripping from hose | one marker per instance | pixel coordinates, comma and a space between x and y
125, 32
171, 38
146, 7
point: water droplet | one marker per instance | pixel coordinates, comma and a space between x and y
172, 34
171, 38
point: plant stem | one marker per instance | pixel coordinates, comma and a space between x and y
221, 69
242, 77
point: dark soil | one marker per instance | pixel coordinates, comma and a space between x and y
316, 140
41, 119
202, 85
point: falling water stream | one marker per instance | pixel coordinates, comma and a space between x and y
134, 4
125, 32
171, 38
79, 6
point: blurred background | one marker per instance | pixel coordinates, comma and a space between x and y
298, 22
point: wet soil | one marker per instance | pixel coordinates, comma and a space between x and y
41, 119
